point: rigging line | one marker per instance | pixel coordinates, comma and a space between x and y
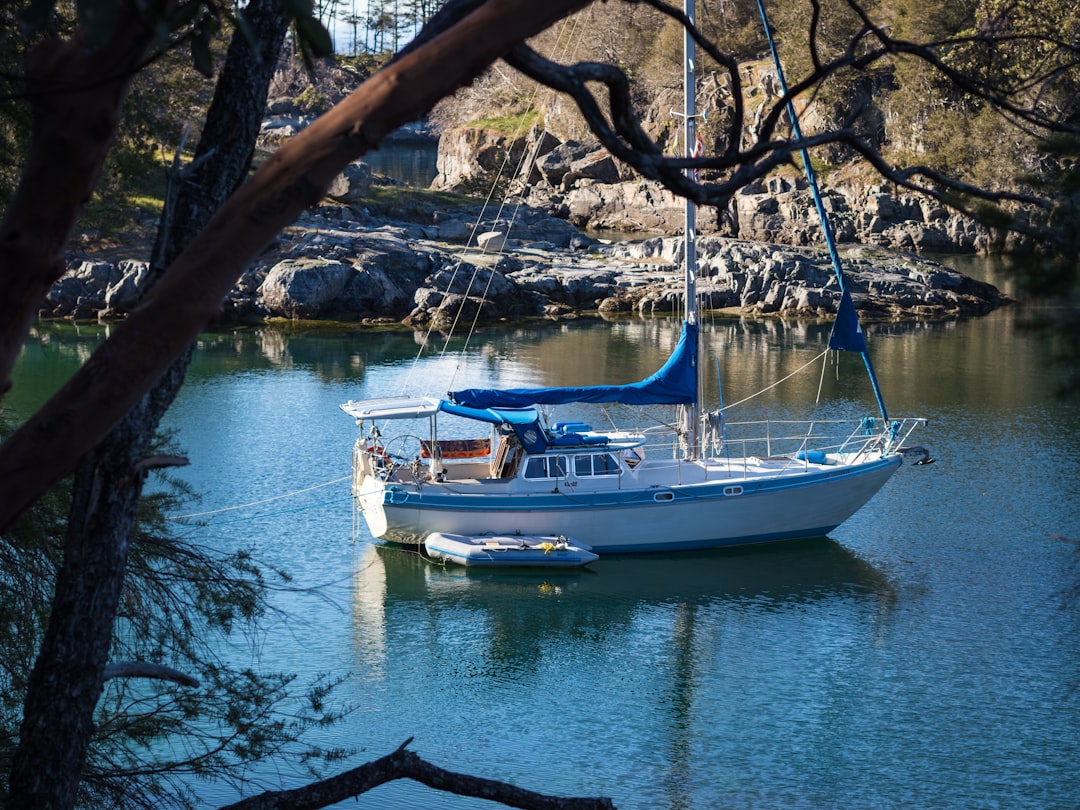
476, 267
449, 286
523, 169
526, 161
562, 44
817, 400
529, 156
468, 289
461, 256
259, 503
770, 387
821, 380
483, 250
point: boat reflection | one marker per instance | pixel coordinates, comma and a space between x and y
654, 664
398, 591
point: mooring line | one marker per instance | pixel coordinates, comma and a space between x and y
293, 510
260, 503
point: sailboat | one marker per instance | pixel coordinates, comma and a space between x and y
707, 484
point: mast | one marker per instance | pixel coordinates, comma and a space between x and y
691, 413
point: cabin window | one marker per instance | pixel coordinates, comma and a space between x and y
536, 468
605, 464
596, 464
553, 467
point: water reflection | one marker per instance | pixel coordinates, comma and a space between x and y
414, 164
643, 662
975, 362
332, 352
524, 609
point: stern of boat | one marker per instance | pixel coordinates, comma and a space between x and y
368, 487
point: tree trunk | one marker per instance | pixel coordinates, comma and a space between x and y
67, 680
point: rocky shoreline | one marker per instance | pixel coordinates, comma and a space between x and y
342, 263
434, 261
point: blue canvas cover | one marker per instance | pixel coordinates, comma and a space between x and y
674, 384
525, 422
516, 416
847, 334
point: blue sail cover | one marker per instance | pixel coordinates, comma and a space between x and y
847, 334
674, 384
527, 416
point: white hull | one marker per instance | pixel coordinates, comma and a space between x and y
766, 504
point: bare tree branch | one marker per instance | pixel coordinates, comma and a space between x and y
721, 58
620, 132
296, 175
979, 88
158, 462
404, 764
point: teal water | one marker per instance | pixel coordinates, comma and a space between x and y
926, 654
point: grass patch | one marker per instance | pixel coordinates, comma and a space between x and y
133, 200
419, 204
115, 217
508, 124
409, 195
146, 204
